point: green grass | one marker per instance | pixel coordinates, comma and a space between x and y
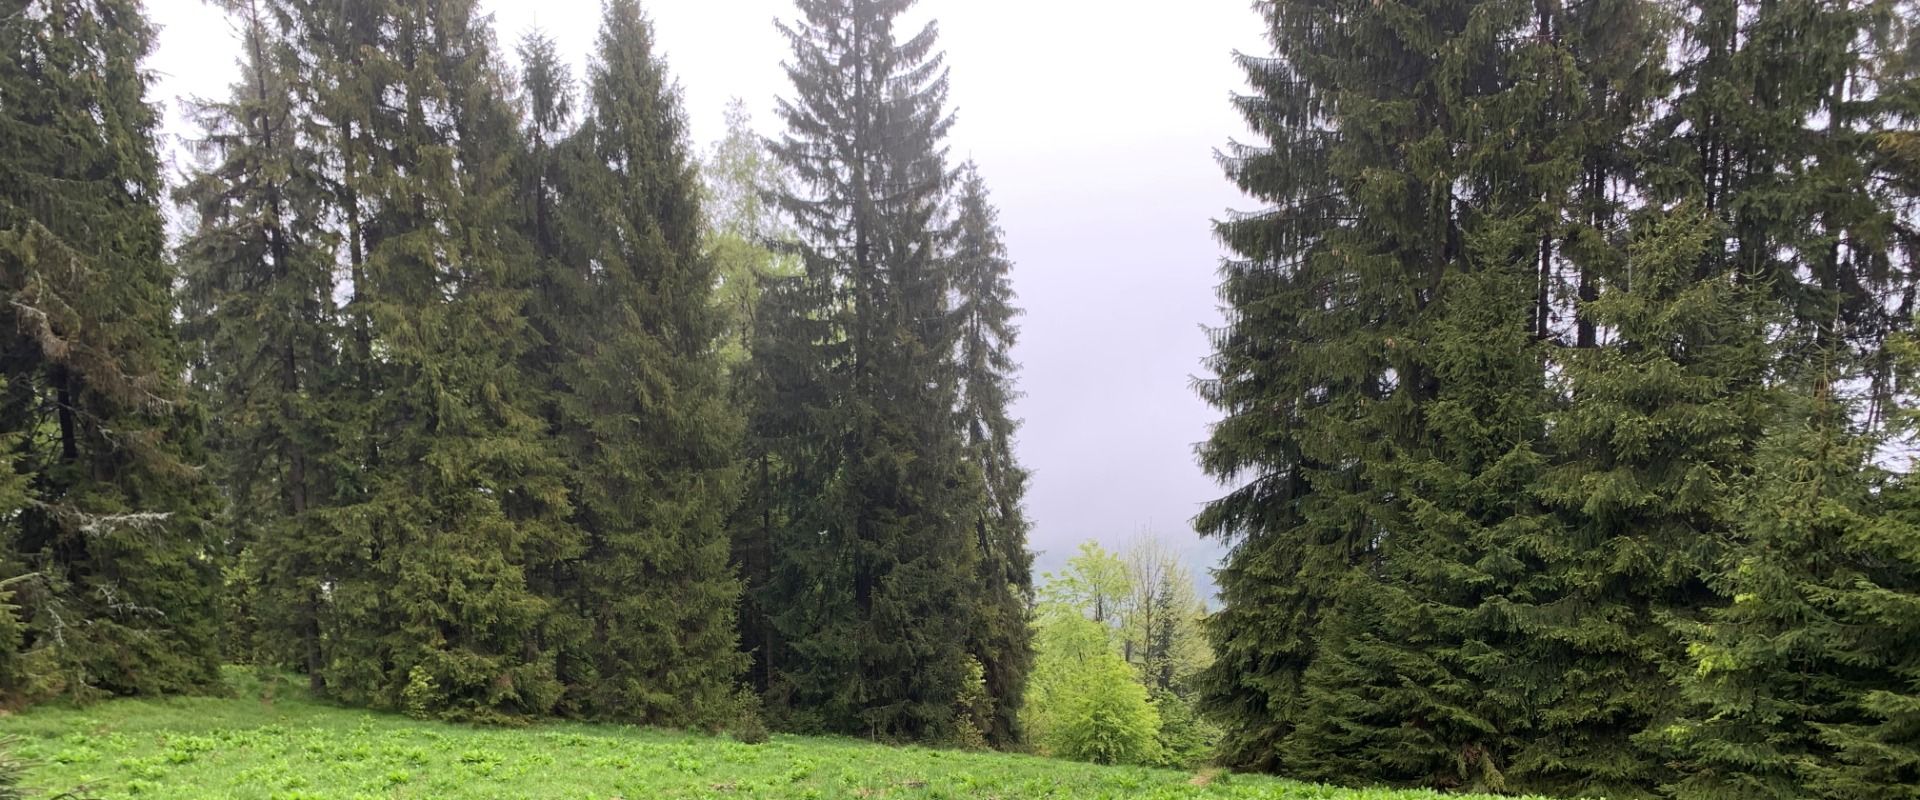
295, 749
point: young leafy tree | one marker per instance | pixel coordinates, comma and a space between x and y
985, 314
874, 583
1172, 648
1085, 702
107, 549
1095, 583
645, 423
259, 308
744, 228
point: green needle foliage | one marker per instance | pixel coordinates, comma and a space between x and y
883, 542
1514, 368
259, 310
1662, 424
107, 553
985, 313
641, 403
436, 615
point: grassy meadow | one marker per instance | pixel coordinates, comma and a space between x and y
287, 747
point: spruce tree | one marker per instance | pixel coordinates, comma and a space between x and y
1370, 311
873, 583
644, 420
1871, 598
429, 607
1788, 658
107, 549
765, 352
1498, 356
555, 292
784, 383
1779, 125
1443, 181
1657, 436
985, 314
259, 309
1428, 679
1787, 112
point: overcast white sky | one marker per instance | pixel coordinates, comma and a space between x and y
1094, 122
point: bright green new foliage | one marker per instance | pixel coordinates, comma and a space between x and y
1086, 702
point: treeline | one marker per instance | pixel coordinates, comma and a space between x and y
1568, 394
455, 397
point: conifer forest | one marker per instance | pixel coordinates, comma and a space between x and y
1565, 398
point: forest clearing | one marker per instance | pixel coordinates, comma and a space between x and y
399, 396
261, 745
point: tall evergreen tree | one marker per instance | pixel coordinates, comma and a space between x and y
985, 314
785, 385
107, 548
1871, 596
1784, 673
1432, 681
874, 575
1787, 110
555, 293
1345, 369
259, 308
644, 419
1441, 179
429, 603
1778, 125
1659, 432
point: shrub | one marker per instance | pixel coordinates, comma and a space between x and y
747, 723
1186, 740
1109, 721
1084, 701
972, 708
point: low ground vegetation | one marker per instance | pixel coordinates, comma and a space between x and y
270, 741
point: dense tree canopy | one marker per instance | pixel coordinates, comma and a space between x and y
1515, 380
464, 356
108, 556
